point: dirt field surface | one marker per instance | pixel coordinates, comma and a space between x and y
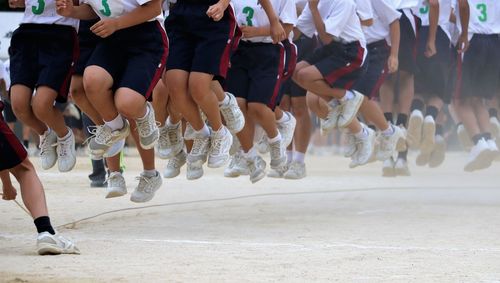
337, 225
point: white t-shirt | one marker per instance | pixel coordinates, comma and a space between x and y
384, 14
5, 72
116, 8
301, 4
364, 9
340, 19
484, 17
406, 4
44, 12
166, 7
251, 13
422, 11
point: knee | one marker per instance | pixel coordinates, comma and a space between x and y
95, 83
20, 109
42, 105
301, 77
130, 105
22, 169
300, 110
256, 109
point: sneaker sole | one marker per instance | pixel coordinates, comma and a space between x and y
48, 249
115, 194
428, 140
388, 172
218, 164
356, 110
258, 178
415, 131
168, 176
288, 177
482, 161
423, 159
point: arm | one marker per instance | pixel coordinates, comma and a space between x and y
277, 31
68, 9
433, 25
366, 23
216, 11
395, 33
325, 37
139, 15
463, 40
249, 32
8, 190
14, 4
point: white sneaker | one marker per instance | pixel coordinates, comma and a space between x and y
365, 148
428, 134
189, 133
221, 142
388, 168
423, 158
235, 146
234, 118
48, 244
66, 154
287, 129
174, 165
439, 153
297, 170
414, 135
148, 129
331, 121
147, 187
103, 138
495, 127
237, 166
115, 149
48, 154
480, 157
194, 171
278, 157
263, 144
464, 138
349, 109
170, 142
256, 168
199, 152
401, 167
387, 145
350, 147
116, 185
278, 172
493, 148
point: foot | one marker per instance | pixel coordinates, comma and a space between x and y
278, 172
147, 187
423, 158
103, 138
278, 157
174, 165
350, 147
199, 152
428, 134
257, 168
263, 145
464, 138
331, 121
48, 154
365, 149
296, 171
401, 167
349, 109
287, 129
148, 129
48, 244
194, 171
415, 129
388, 145
235, 121
480, 157
116, 185
237, 166
388, 168
170, 142
439, 152
221, 142
66, 154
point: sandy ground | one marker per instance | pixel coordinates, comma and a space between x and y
341, 225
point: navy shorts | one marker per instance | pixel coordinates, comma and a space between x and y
256, 71
432, 76
408, 45
43, 55
87, 41
305, 46
198, 43
340, 64
478, 72
369, 84
12, 152
134, 57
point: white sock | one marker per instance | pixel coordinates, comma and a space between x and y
389, 131
250, 154
145, 115
284, 118
116, 123
289, 156
363, 134
169, 123
46, 132
225, 100
203, 132
333, 103
348, 96
275, 139
149, 173
299, 157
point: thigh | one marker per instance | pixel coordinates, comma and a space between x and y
23, 59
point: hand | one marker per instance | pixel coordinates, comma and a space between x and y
16, 4
249, 32
463, 43
392, 64
278, 33
430, 49
216, 11
105, 28
9, 192
64, 7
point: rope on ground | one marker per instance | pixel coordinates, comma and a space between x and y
21, 206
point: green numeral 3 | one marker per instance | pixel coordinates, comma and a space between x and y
483, 9
38, 10
106, 11
249, 12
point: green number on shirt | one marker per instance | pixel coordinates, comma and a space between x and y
425, 9
38, 10
483, 9
106, 11
249, 12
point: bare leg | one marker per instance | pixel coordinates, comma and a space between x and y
43, 107
21, 105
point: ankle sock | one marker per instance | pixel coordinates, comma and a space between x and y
42, 224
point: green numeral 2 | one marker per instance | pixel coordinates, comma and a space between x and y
38, 10
249, 12
483, 9
106, 11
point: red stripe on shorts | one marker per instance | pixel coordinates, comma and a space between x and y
356, 64
277, 86
64, 90
231, 43
163, 61
292, 61
14, 143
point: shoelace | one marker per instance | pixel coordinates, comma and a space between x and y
275, 149
145, 127
228, 114
111, 177
173, 162
144, 188
198, 146
173, 136
45, 145
163, 139
64, 148
217, 145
